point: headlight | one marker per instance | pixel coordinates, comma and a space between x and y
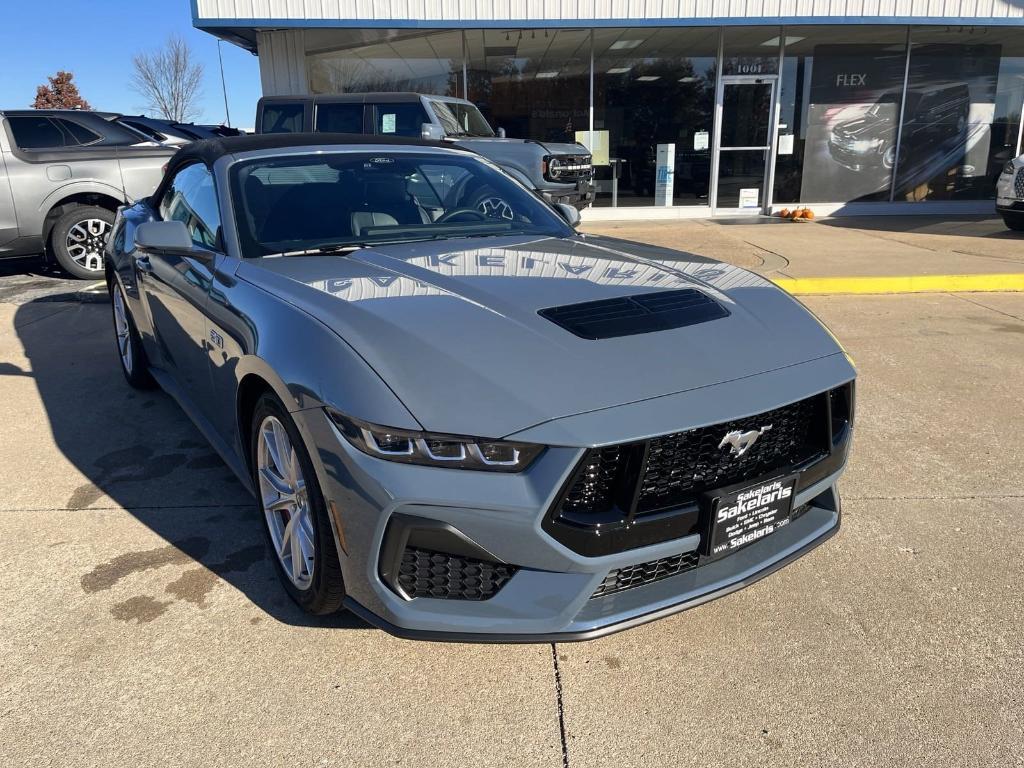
434, 450
554, 167
1008, 169
862, 145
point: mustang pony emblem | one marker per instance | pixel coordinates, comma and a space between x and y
741, 442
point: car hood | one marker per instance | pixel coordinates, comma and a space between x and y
480, 143
453, 327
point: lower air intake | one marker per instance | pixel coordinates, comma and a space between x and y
426, 573
621, 579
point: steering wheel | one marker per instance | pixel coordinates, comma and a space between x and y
449, 215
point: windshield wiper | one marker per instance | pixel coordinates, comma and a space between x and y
327, 248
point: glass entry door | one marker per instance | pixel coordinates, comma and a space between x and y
745, 106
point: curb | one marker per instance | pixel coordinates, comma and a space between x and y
907, 284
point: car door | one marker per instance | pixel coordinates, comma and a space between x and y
176, 286
8, 217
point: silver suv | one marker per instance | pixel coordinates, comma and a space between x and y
63, 174
561, 172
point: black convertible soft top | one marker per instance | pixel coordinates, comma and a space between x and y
209, 150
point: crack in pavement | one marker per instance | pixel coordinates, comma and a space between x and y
985, 306
561, 707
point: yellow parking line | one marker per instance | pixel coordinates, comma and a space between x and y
903, 284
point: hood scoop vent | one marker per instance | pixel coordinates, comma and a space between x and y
629, 315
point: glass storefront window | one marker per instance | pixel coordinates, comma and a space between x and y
534, 83
341, 61
962, 111
654, 88
750, 50
838, 112
839, 97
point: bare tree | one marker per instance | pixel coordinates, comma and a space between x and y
170, 80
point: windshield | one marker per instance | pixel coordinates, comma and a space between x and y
461, 119
311, 201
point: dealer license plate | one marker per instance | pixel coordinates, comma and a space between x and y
741, 517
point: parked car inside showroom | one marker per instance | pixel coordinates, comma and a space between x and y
476, 425
1010, 194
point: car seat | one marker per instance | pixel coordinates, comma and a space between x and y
386, 202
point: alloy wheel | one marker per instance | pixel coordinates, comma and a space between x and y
123, 330
85, 242
285, 502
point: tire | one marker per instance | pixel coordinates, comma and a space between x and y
134, 364
312, 579
1014, 221
77, 240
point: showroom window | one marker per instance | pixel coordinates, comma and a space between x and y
654, 92
839, 104
426, 62
962, 113
534, 83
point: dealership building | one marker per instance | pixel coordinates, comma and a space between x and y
690, 107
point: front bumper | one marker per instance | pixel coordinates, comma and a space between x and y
581, 195
660, 599
550, 597
853, 159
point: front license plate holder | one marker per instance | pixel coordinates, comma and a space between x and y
740, 515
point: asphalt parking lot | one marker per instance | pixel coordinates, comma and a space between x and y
141, 621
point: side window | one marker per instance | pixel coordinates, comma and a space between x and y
282, 118
32, 132
192, 199
78, 132
339, 118
400, 119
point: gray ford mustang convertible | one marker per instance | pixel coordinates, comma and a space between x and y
461, 418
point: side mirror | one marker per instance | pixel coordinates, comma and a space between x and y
569, 213
431, 132
169, 236
501, 133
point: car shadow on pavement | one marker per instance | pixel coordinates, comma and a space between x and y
140, 455
984, 226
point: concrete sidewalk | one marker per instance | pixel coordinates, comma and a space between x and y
840, 247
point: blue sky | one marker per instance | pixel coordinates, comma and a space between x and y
96, 41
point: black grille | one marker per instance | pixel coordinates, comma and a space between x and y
1018, 183
574, 167
643, 313
685, 464
596, 483
425, 573
632, 576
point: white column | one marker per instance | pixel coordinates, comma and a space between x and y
282, 55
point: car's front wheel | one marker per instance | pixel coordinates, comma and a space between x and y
1014, 221
129, 347
294, 510
78, 238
